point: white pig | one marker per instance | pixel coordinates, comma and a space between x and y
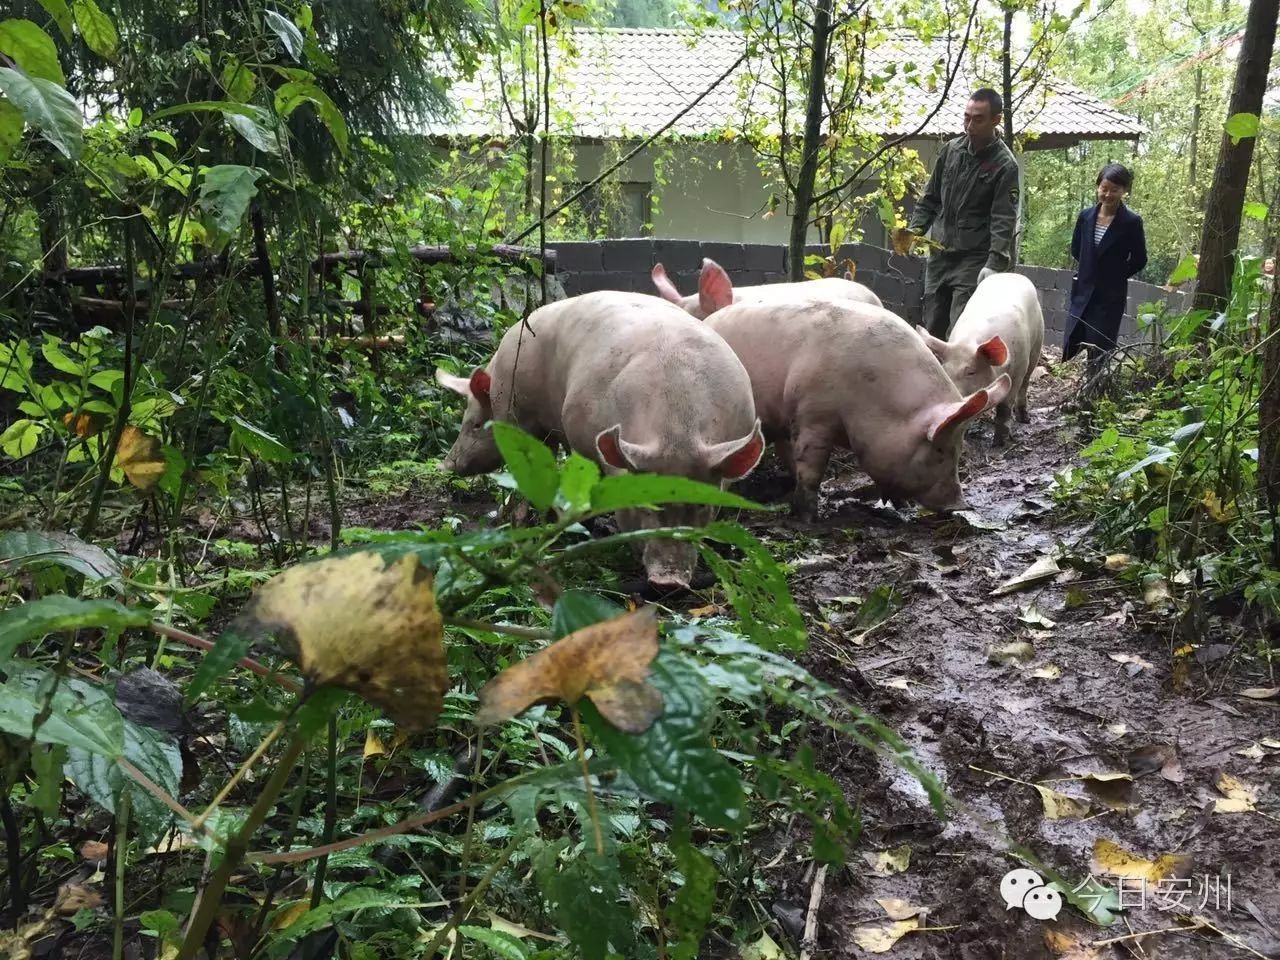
1001, 330
850, 375
716, 291
630, 382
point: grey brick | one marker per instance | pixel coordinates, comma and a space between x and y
578, 283
576, 256
775, 277
748, 278
731, 256
891, 288
766, 257
677, 255
629, 256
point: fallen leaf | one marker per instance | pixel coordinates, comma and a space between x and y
889, 862
94, 850
516, 930
1270, 744
1065, 947
1153, 757
1185, 650
763, 949
1046, 568
901, 909
288, 915
1117, 562
1240, 796
174, 843
882, 939
1260, 693
1117, 729
373, 746
1059, 806
362, 624
1253, 752
73, 897
897, 683
1019, 705
1034, 618
607, 662
710, 610
1155, 592
1113, 860
138, 455
1017, 652
1134, 664
1050, 671
977, 521
86, 424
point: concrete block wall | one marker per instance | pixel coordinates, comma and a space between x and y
584, 266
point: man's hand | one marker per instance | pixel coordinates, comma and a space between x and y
985, 272
903, 240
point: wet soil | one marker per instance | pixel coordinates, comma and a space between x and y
1174, 723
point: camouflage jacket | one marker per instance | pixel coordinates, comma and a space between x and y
971, 201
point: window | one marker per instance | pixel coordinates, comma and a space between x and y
615, 210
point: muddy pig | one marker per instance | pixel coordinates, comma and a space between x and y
1000, 330
716, 291
850, 375
626, 380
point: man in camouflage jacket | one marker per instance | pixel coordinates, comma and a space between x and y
971, 202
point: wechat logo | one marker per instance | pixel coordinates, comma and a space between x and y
1024, 888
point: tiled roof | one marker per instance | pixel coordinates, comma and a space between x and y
628, 83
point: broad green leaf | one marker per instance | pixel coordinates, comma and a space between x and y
238, 81
1255, 210
577, 478
21, 438
258, 442
58, 612
673, 761
757, 589
258, 136
358, 898
651, 489
291, 95
61, 15
229, 649
576, 609
107, 379
205, 106
1242, 126
11, 125
289, 34
96, 28
46, 763
694, 905
27, 45
58, 360
1186, 269
1158, 455
160, 921
162, 136
225, 193
500, 943
531, 463
585, 896
79, 714
22, 548
47, 107
101, 779
289, 73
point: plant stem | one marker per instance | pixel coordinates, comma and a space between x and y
469, 902
122, 846
330, 814
211, 896
236, 777
528, 633
586, 781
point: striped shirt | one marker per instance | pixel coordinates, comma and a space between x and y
1099, 230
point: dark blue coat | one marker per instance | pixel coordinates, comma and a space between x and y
1100, 287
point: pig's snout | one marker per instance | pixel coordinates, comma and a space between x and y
667, 583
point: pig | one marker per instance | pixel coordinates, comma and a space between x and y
1001, 329
854, 376
630, 382
716, 291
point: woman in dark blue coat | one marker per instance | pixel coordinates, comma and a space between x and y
1110, 246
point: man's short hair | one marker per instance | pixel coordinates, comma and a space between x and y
990, 98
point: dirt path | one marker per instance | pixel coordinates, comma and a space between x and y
926, 672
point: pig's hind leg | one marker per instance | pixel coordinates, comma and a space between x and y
1003, 409
810, 453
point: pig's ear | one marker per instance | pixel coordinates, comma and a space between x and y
734, 459
994, 352
477, 385
666, 289
999, 389
948, 416
715, 289
938, 347
457, 384
615, 451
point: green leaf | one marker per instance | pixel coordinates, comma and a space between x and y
46, 763
24, 548
258, 136
205, 106
499, 942
577, 609
159, 921
58, 360
651, 489
694, 905
358, 898
11, 125
290, 96
96, 28
229, 649
1185, 270
1242, 126
107, 379
757, 589
162, 136
79, 714
27, 45
1255, 210
102, 780
258, 442
58, 612
289, 34
584, 895
61, 14
577, 478
47, 107
21, 438
673, 761
238, 81
225, 193
531, 463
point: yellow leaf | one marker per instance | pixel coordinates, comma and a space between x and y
516, 930
1058, 806
1134, 659
903, 241
1240, 796
1049, 671
74, 897
901, 909
1253, 752
362, 624
607, 662
882, 939
85, 424
1260, 693
710, 610
138, 455
1117, 562
763, 949
373, 746
889, 862
1270, 743
1217, 511
1064, 946
287, 916
1185, 650
1112, 859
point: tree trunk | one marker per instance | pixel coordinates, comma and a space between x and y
808, 173
1269, 420
1231, 176
1194, 149
1006, 57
